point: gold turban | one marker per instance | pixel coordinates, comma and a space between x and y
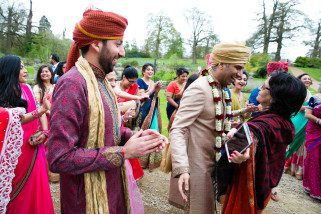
230, 53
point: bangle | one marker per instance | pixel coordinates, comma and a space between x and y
46, 133
36, 113
123, 119
121, 152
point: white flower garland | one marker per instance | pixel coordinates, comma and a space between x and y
220, 126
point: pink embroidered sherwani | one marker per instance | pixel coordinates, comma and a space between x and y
67, 153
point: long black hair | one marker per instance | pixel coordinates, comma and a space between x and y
288, 94
40, 82
59, 69
10, 90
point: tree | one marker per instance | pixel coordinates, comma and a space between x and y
288, 23
199, 23
159, 29
28, 30
12, 22
316, 45
44, 25
262, 37
175, 45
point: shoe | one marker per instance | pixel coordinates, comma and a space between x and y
275, 197
298, 176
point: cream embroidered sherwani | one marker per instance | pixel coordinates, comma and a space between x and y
192, 146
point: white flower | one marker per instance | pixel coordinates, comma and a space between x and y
228, 109
218, 125
228, 126
227, 96
218, 109
218, 156
218, 142
210, 79
215, 93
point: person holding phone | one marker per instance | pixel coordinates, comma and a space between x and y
260, 168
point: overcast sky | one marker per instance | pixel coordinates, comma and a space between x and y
233, 20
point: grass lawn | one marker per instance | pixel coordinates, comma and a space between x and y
315, 73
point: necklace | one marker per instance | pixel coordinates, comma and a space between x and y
220, 124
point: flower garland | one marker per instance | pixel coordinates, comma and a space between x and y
220, 126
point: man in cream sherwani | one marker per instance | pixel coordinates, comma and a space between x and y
193, 132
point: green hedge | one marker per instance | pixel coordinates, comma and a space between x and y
307, 62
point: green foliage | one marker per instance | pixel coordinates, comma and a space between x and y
131, 62
259, 60
165, 76
261, 72
307, 62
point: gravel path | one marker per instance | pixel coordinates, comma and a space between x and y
154, 187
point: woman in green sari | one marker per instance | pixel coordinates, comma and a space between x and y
295, 152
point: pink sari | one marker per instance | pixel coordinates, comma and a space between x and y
30, 186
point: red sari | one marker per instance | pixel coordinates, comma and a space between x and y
138, 172
30, 186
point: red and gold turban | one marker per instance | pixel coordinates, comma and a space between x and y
274, 66
95, 25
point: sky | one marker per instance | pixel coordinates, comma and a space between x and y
233, 20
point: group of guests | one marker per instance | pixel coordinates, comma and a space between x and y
102, 132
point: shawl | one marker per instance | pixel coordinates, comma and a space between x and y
11, 138
263, 170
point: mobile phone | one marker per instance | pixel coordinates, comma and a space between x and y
240, 141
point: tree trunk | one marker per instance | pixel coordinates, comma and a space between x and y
194, 52
267, 37
28, 30
316, 46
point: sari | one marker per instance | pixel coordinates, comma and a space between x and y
173, 88
248, 185
295, 152
138, 172
149, 118
312, 161
30, 186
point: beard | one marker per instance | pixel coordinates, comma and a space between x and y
105, 60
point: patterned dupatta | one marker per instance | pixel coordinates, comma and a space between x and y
11, 140
95, 182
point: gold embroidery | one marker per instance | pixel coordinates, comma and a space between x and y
113, 156
180, 170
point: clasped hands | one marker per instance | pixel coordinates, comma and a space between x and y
144, 142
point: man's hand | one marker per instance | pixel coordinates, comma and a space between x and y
142, 143
183, 185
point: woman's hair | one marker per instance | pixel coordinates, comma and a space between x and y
288, 94
59, 70
10, 90
190, 80
246, 74
181, 71
145, 66
39, 81
302, 75
130, 72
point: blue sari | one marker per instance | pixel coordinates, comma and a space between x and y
149, 118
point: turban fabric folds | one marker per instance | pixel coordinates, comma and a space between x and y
274, 66
230, 53
95, 25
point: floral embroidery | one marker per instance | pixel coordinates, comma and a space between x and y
180, 170
113, 156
